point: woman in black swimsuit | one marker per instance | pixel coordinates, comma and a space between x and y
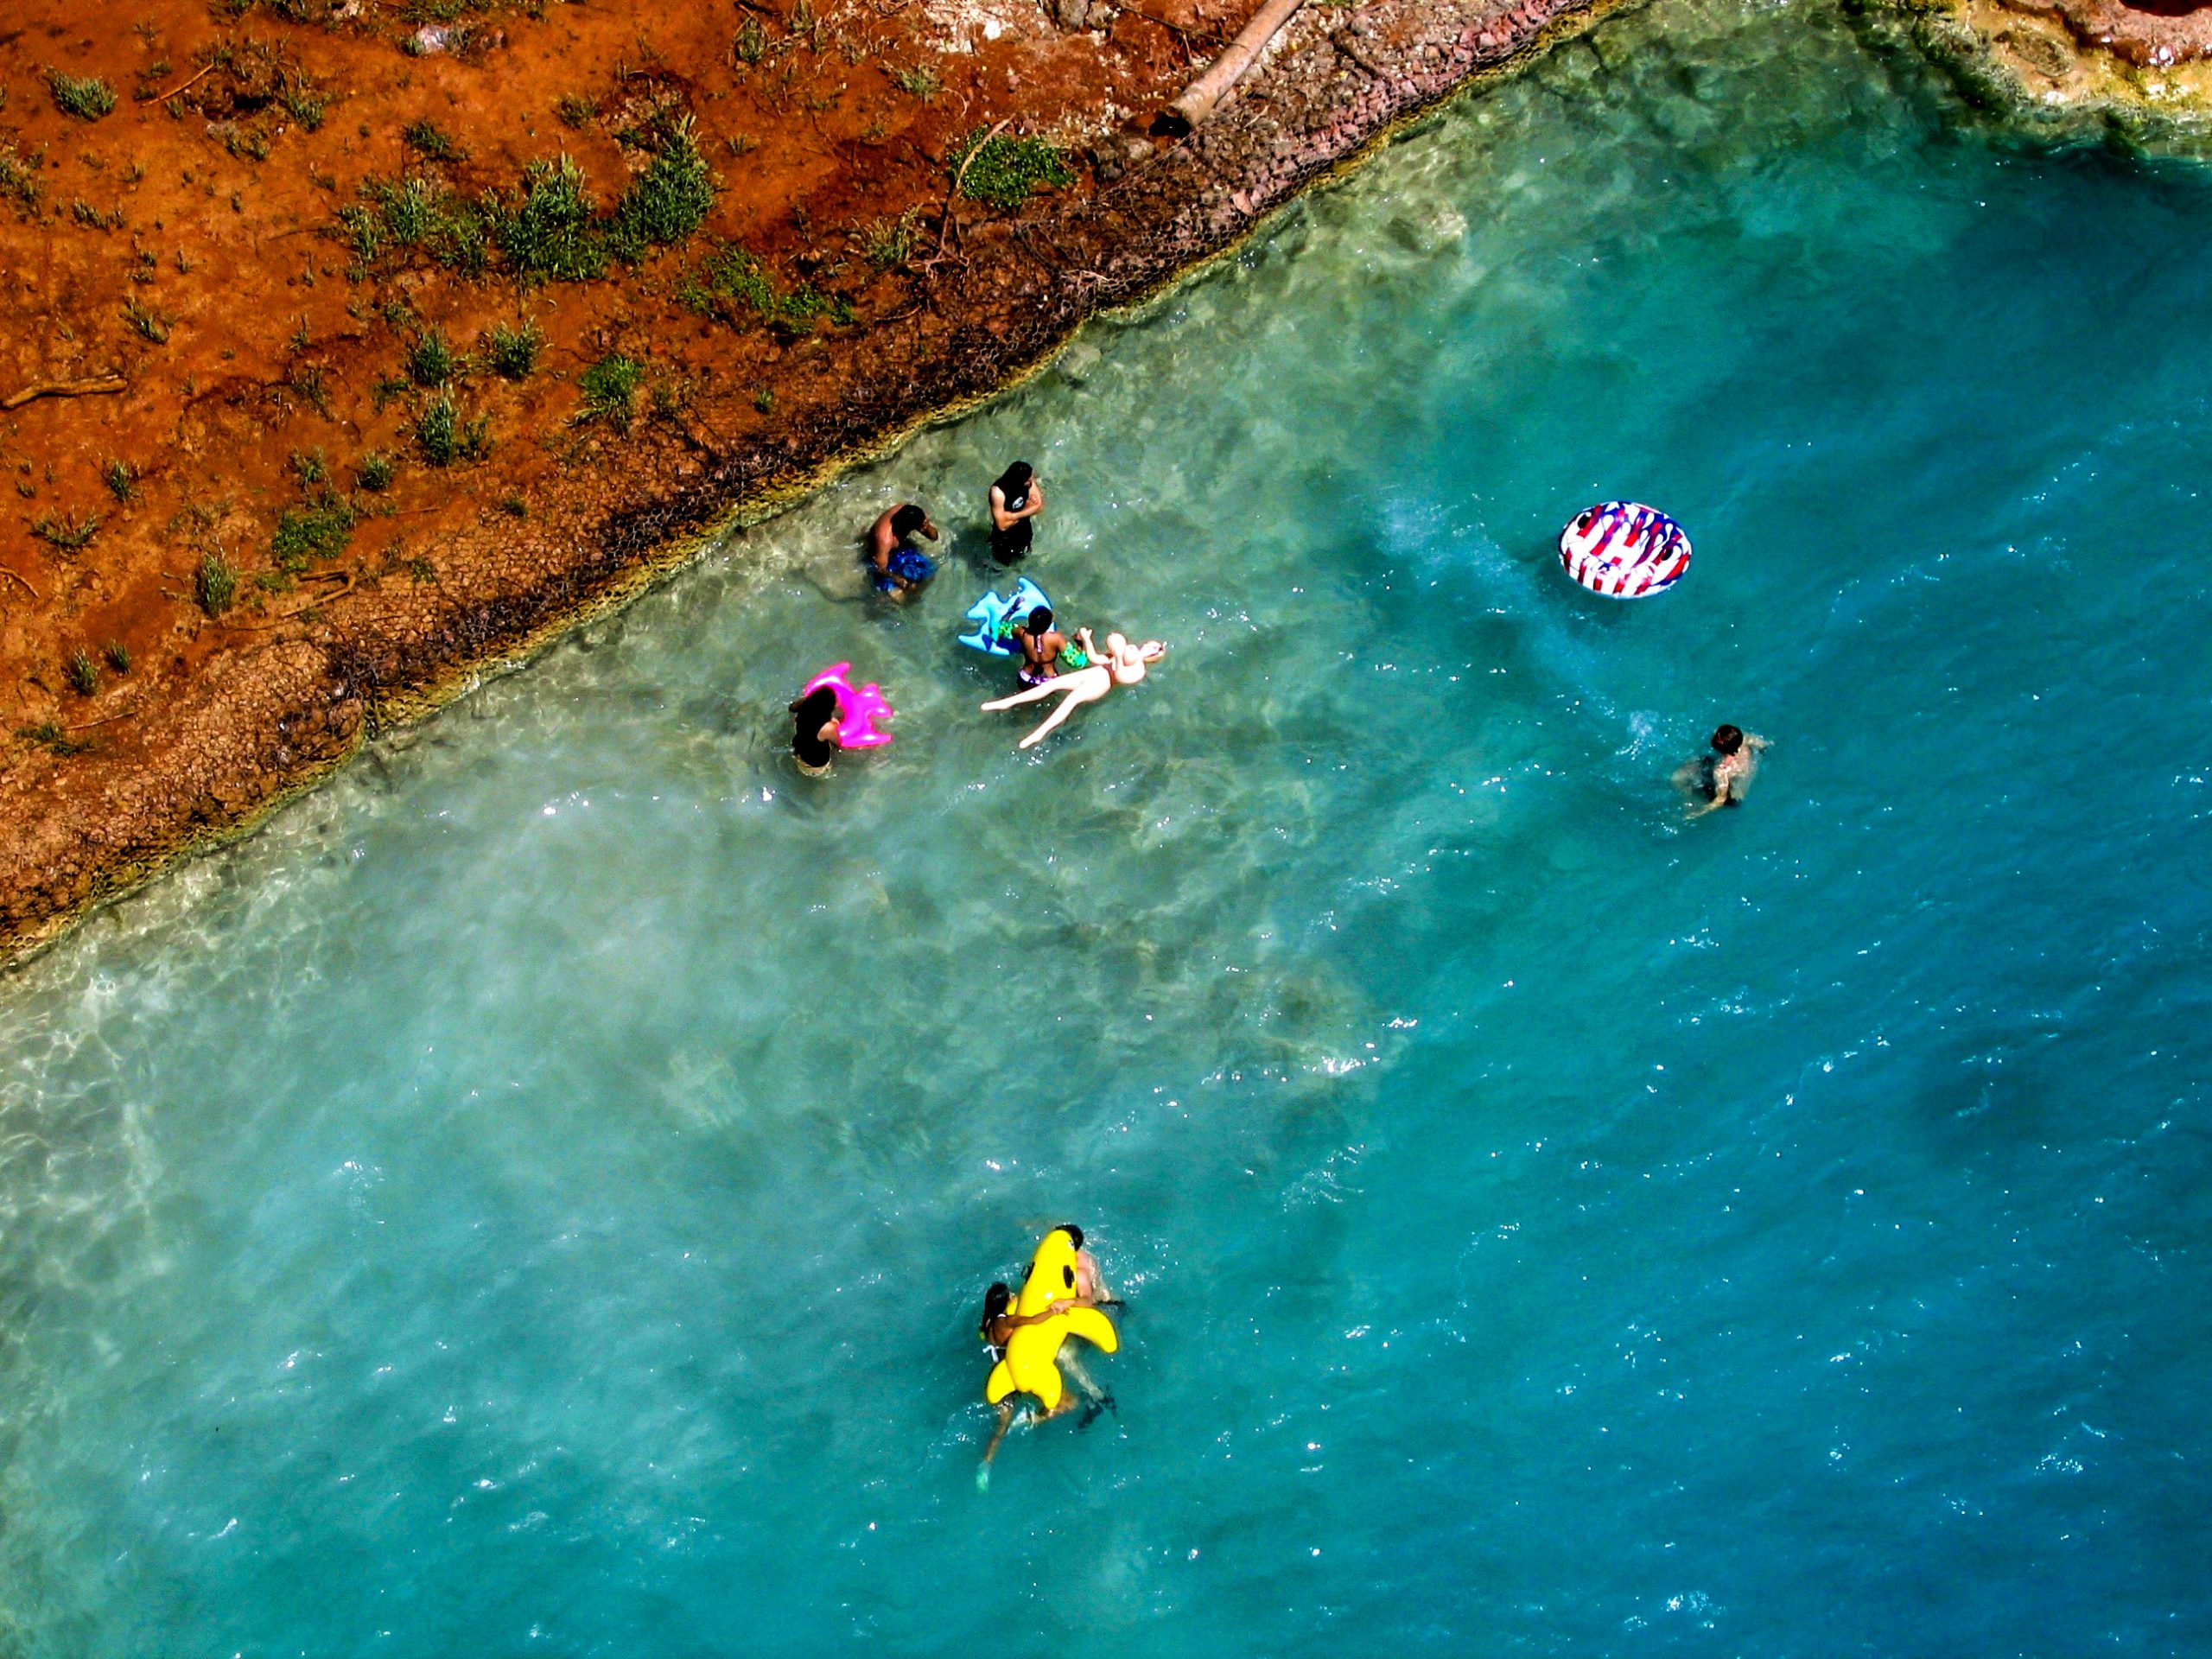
814, 730
1016, 498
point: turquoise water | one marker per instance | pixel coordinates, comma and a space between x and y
534, 1197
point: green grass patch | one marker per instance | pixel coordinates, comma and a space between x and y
733, 280
84, 673
373, 472
511, 354
121, 479
65, 532
50, 734
150, 324
1004, 172
920, 81
86, 97
215, 583
889, 242
669, 200
430, 141
19, 180
431, 361
576, 110
444, 435
117, 655
316, 529
548, 230
610, 390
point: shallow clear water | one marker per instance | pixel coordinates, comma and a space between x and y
534, 1197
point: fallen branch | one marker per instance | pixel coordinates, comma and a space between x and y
1199, 98
92, 388
187, 86
103, 720
343, 577
951, 196
25, 586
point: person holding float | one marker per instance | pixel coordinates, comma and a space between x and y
1026, 1343
833, 714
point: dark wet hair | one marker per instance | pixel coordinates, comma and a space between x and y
1041, 618
907, 519
1728, 740
1015, 480
817, 706
994, 1303
1074, 1233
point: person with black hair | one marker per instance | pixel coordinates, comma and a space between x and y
901, 570
1041, 645
814, 731
1723, 775
1016, 499
997, 1324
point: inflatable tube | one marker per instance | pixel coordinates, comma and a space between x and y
1032, 1352
1624, 549
994, 617
858, 709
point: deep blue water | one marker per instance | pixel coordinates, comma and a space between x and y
533, 1199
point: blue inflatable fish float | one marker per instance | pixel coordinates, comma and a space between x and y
994, 617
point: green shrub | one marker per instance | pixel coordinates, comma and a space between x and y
418, 213
430, 360
550, 231
309, 468
444, 436
117, 655
215, 584
512, 352
373, 472
122, 479
318, 528
88, 98
734, 275
610, 390
1006, 172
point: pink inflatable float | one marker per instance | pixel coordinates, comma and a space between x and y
858, 709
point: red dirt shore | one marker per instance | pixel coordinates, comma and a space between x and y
222, 365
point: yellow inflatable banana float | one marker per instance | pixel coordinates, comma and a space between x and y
1030, 1365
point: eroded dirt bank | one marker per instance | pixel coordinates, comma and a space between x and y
345, 387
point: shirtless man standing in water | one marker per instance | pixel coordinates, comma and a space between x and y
1723, 775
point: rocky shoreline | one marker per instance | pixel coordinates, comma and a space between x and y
278, 704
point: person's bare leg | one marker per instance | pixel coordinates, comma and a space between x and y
1005, 1422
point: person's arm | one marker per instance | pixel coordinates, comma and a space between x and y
929, 528
1093, 1283
1755, 743
880, 542
1036, 497
1000, 516
1053, 1311
1089, 645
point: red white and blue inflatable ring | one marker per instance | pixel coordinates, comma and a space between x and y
1625, 550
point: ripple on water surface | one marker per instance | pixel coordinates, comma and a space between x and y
535, 1196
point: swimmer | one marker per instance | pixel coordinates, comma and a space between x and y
1039, 644
814, 731
1125, 665
994, 1328
1723, 775
1089, 1291
1016, 498
901, 569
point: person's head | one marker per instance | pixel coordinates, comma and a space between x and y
994, 1303
1074, 1233
816, 710
1015, 479
1728, 740
1040, 619
907, 519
